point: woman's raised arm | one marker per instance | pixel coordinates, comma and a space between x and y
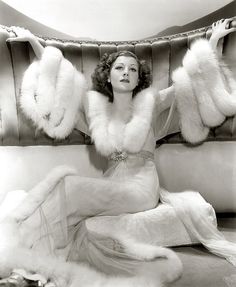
188, 85
24, 35
220, 29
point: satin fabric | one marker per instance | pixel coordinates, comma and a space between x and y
61, 229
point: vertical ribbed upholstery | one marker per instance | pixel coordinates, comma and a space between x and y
163, 55
178, 48
73, 52
229, 51
194, 36
20, 62
144, 52
90, 59
160, 63
107, 49
125, 47
9, 133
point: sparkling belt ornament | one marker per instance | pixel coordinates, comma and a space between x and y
123, 155
119, 155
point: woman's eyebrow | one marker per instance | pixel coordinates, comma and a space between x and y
123, 64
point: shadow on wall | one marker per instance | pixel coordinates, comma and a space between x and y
227, 11
9, 15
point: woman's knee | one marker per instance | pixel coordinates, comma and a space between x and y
139, 200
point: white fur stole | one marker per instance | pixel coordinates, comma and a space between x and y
107, 137
205, 92
51, 93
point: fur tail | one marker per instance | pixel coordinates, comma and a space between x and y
67, 274
55, 269
167, 266
37, 195
151, 273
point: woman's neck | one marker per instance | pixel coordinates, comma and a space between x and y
122, 105
122, 100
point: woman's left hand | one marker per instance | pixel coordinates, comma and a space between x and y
219, 30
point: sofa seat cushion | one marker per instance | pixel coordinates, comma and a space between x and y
208, 168
202, 268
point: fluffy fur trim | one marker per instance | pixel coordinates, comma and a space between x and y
191, 125
100, 123
214, 78
37, 195
206, 89
142, 251
151, 274
51, 93
98, 116
209, 112
137, 128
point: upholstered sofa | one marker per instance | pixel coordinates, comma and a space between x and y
27, 154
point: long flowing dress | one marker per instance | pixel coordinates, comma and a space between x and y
51, 218
130, 184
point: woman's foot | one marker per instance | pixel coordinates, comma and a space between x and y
14, 280
17, 280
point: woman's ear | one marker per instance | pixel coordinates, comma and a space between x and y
108, 80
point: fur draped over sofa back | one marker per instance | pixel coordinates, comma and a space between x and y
163, 55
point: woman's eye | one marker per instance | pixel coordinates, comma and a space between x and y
133, 70
118, 67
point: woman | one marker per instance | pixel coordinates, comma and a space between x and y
119, 117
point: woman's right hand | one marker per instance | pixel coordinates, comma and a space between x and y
19, 34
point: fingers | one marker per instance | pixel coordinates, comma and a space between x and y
19, 31
225, 23
221, 28
19, 34
13, 40
232, 23
232, 30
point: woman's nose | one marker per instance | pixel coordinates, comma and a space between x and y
126, 72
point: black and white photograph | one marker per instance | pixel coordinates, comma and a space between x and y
117, 143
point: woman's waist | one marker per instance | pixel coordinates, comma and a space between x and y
129, 165
123, 156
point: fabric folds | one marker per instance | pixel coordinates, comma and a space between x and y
189, 207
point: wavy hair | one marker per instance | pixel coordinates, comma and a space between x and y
102, 72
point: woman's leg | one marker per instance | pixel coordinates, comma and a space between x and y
100, 196
77, 197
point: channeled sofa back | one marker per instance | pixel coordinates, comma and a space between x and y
27, 154
162, 54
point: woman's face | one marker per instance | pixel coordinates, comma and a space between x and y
124, 74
